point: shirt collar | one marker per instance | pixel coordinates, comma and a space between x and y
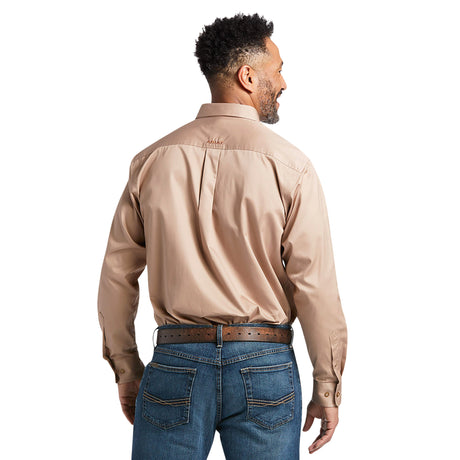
228, 109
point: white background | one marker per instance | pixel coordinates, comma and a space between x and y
373, 100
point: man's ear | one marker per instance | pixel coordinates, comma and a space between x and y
247, 77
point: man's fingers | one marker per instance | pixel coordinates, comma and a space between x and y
319, 442
329, 420
128, 394
128, 406
129, 411
324, 437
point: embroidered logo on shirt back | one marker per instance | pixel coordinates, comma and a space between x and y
215, 140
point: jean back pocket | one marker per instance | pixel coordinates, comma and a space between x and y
269, 394
167, 395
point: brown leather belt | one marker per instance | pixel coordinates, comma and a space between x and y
229, 333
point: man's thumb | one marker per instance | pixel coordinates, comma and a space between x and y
308, 422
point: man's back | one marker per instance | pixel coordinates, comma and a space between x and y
214, 195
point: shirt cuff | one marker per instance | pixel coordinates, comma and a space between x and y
327, 394
127, 368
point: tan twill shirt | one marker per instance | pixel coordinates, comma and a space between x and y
231, 221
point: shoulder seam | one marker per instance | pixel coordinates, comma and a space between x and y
303, 171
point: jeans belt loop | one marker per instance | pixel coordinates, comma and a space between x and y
219, 336
153, 337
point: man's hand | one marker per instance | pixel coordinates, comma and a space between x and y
329, 419
128, 393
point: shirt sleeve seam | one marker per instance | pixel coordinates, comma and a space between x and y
293, 193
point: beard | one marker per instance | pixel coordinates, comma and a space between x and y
267, 103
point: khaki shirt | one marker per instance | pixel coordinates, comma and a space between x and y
231, 221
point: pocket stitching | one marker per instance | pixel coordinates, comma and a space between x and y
254, 402
172, 368
185, 401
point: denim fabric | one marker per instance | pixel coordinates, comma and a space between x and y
250, 392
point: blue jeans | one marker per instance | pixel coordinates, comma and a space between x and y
250, 392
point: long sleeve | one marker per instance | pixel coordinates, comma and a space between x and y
309, 264
118, 295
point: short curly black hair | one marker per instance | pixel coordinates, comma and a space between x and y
228, 43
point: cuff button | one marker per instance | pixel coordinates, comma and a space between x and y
338, 393
326, 394
122, 371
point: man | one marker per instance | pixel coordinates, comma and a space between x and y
231, 220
